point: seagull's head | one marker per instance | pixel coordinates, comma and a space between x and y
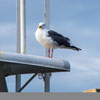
41, 25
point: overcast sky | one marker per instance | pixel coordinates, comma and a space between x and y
77, 19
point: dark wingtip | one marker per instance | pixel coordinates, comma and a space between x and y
75, 48
79, 49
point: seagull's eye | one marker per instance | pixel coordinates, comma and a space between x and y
40, 26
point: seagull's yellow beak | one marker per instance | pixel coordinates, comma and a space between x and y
40, 26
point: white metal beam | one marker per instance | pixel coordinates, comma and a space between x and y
23, 64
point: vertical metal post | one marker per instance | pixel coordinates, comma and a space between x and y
18, 77
3, 85
21, 34
47, 22
47, 13
23, 26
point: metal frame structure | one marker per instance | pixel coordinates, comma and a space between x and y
16, 64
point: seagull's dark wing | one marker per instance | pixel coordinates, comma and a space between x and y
60, 39
53, 33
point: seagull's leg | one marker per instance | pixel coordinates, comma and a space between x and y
51, 52
50, 74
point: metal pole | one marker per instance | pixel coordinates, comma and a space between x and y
18, 77
47, 22
47, 13
21, 34
23, 26
3, 85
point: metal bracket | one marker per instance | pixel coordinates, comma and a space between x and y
27, 82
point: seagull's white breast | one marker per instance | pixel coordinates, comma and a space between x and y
42, 38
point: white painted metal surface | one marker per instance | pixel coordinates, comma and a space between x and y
47, 13
18, 26
23, 26
23, 64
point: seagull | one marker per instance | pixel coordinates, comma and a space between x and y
52, 40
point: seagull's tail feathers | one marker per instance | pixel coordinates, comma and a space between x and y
75, 48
